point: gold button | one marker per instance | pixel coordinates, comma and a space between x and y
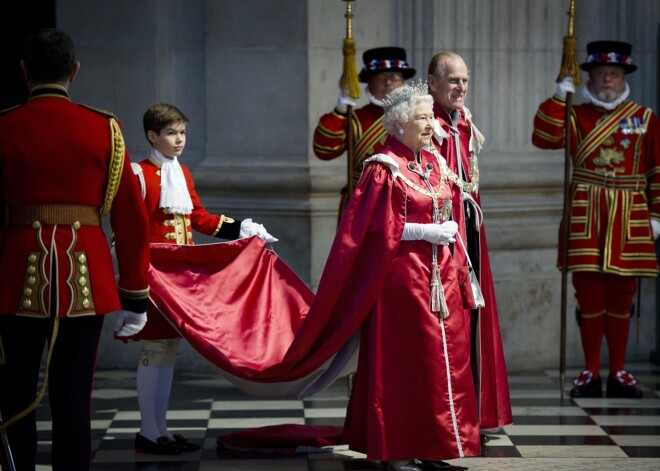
86, 303
31, 280
76, 225
31, 269
85, 291
36, 225
82, 258
82, 281
32, 258
82, 269
27, 291
27, 303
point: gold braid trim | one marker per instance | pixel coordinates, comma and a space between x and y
116, 166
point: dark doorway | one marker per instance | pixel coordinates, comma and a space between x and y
17, 21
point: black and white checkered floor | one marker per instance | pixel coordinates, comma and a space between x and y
548, 433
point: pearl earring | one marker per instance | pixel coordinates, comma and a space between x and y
400, 130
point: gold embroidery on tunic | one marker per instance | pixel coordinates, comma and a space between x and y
607, 160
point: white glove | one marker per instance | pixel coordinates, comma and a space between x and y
440, 234
565, 86
655, 225
344, 101
129, 323
250, 228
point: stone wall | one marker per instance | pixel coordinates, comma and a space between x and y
255, 76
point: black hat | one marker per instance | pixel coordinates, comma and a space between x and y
609, 53
384, 59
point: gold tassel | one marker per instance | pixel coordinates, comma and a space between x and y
569, 62
435, 283
349, 77
438, 301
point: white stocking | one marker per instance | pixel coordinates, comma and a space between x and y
147, 390
165, 378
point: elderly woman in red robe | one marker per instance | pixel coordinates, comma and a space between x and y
413, 396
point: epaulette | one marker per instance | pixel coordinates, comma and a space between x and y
105, 113
7, 110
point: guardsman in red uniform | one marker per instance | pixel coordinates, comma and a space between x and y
616, 167
174, 211
63, 167
385, 69
459, 141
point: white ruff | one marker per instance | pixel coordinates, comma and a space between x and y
372, 99
174, 193
608, 106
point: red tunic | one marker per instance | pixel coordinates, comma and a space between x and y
494, 400
74, 174
616, 164
168, 228
330, 139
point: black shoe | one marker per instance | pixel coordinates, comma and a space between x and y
184, 444
623, 384
162, 446
484, 438
434, 464
585, 385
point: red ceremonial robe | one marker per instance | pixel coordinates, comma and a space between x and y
255, 325
494, 398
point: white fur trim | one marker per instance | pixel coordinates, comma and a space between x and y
387, 160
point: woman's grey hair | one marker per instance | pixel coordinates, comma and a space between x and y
400, 103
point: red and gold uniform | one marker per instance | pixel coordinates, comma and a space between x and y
330, 139
616, 163
166, 227
53, 244
614, 191
487, 357
62, 167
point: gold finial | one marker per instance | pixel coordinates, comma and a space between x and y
569, 62
349, 77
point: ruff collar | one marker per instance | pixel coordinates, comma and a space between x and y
174, 193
